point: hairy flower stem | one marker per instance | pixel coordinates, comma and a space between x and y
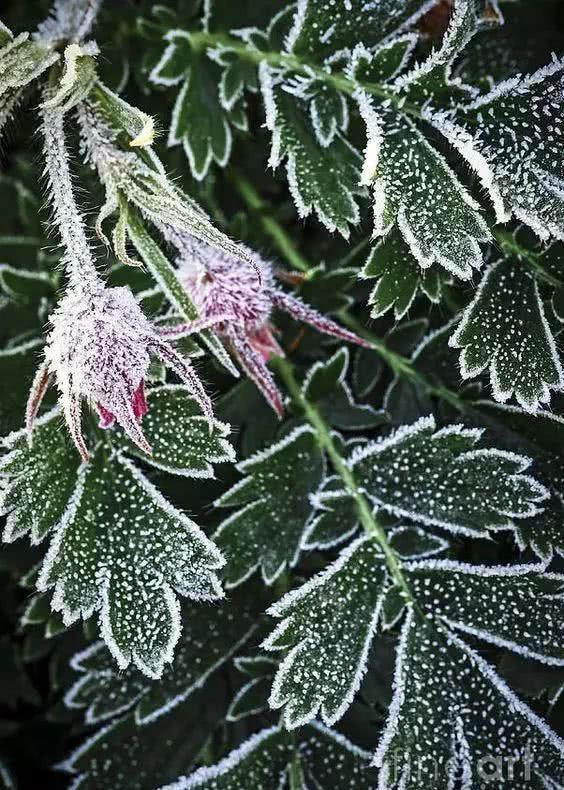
323, 435
78, 259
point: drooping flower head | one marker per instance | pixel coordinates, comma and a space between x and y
236, 300
99, 350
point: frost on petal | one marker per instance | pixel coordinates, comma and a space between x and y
504, 329
328, 625
324, 179
449, 710
122, 550
440, 478
512, 137
210, 636
274, 507
415, 190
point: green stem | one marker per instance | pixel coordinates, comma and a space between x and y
306, 68
325, 440
271, 227
402, 366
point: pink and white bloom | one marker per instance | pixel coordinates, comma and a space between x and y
99, 350
236, 301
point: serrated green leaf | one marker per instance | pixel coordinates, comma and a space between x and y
335, 519
180, 435
210, 637
512, 138
326, 387
271, 759
199, 122
274, 498
123, 755
324, 179
123, 117
437, 725
322, 28
505, 330
328, 624
399, 276
40, 479
439, 478
384, 61
416, 190
100, 559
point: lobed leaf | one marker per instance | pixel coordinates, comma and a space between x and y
328, 624
100, 559
274, 500
505, 330
439, 478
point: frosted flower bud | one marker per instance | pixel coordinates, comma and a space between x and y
99, 350
236, 301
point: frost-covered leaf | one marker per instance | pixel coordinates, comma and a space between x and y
544, 533
180, 435
22, 61
516, 607
399, 277
335, 519
412, 542
431, 79
77, 78
252, 697
325, 386
125, 756
260, 762
440, 478
328, 111
199, 121
210, 636
122, 549
272, 758
383, 62
505, 330
25, 285
323, 29
275, 508
328, 624
449, 709
320, 178
415, 190
512, 137
540, 435
123, 117
39, 478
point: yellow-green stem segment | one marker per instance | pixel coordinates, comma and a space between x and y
325, 440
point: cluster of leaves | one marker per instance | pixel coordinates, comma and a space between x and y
368, 592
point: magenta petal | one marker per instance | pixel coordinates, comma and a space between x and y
107, 419
139, 402
303, 312
255, 367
